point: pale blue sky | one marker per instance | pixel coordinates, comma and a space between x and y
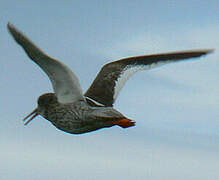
176, 106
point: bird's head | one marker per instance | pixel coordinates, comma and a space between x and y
44, 101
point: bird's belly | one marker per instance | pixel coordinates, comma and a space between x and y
76, 122
77, 128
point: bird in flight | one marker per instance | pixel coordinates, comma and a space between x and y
70, 110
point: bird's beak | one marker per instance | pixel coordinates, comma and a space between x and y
32, 115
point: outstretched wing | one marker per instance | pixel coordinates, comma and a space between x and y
65, 83
112, 77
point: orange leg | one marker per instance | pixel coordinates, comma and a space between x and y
124, 123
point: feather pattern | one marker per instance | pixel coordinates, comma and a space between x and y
112, 77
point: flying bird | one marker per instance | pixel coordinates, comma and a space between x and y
70, 110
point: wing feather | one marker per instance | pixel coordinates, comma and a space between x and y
65, 83
112, 77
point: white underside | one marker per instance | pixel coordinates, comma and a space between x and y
130, 70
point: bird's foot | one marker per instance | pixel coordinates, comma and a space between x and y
125, 123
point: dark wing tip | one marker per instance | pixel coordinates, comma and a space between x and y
189, 53
31, 49
17, 35
210, 50
11, 28
20, 37
202, 52
205, 51
9, 25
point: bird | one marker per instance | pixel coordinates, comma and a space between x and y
75, 112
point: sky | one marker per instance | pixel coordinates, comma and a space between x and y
175, 106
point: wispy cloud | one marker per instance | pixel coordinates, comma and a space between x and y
161, 41
112, 160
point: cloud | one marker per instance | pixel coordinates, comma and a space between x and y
161, 41
78, 158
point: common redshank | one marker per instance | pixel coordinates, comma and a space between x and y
71, 111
